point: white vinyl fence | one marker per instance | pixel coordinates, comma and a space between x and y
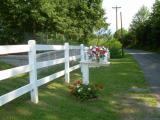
33, 65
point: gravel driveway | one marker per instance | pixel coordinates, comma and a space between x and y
150, 64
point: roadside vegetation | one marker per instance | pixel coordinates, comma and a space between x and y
144, 29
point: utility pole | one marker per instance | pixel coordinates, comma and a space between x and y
122, 34
116, 7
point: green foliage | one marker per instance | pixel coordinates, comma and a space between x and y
154, 26
140, 18
123, 36
92, 41
119, 34
73, 19
145, 28
7, 36
137, 27
84, 92
129, 40
100, 39
114, 45
115, 48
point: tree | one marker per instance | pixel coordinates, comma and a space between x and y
122, 36
140, 18
154, 36
119, 34
138, 24
73, 19
108, 36
20, 16
145, 28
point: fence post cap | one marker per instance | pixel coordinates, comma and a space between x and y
66, 43
31, 42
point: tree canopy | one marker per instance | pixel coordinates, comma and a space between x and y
145, 28
138, 24
73, 19
154, 26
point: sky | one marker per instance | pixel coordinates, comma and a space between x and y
129, 9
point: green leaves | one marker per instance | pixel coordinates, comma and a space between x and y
76, 19
137, 27
145, 28
85, 92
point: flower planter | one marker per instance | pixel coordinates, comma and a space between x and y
98, 54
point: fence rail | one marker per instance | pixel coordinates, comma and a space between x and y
8, 49
74, 47
49, 47
50, 63
14, 94
50, 78
4, 74
33, 65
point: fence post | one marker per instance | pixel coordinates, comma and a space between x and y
85, 73
82, 55
82, 52
86, 53
66, 53
33, 71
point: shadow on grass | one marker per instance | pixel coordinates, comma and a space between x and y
118, 79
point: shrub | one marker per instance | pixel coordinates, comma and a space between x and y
114, 48
84, 92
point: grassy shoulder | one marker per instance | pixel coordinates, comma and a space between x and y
125, 96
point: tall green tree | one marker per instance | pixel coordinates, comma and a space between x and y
20, 16
154, 22
138, 24
73, 19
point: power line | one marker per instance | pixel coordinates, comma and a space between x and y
122, 34
116, 8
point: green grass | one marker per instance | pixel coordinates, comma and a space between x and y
117, 100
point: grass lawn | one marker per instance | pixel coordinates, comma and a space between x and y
125, 96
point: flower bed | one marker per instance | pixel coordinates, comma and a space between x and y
85, 92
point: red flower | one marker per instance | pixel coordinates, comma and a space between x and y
103, 52
78, 82
97, 49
